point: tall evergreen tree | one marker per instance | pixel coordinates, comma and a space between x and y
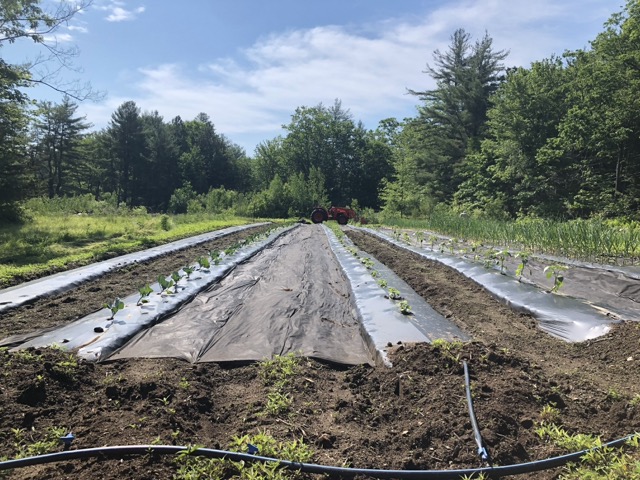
453, 115
59, 133
127, 145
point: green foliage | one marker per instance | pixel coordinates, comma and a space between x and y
404, 307
114, 307
598, 462
29, 443
557, 272
144, 293
280, 369
394, 294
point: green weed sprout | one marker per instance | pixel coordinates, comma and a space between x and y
114, 307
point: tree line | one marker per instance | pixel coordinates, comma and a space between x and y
559, 139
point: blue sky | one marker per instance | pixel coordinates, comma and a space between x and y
249, 63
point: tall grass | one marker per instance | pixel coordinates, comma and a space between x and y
56, 237
591, 240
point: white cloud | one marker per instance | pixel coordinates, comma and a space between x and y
118, 12
78, 28
58, 38
251, 96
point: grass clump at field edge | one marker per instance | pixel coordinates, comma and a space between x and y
51, 242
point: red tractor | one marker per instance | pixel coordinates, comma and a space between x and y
341, 214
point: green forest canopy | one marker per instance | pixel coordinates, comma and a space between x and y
559, 139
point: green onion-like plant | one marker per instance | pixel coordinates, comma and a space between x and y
144, 293
114, 307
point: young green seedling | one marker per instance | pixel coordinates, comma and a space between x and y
500, 257
382, 282
188, 271
144, 293
115, 307
165, 284
524, 259
204, 263
215, 256
557, 272
394, 294
420, 237
175, 276
404, 307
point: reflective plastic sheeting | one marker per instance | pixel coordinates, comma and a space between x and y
563, 317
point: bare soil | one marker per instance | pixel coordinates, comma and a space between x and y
412, 416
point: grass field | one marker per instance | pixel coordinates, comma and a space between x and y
54, 241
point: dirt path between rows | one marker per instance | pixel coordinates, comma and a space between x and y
412, 416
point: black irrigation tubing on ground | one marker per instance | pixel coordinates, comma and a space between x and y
489, 472
482, 451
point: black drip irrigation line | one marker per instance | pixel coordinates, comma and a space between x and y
482, 451
489, 472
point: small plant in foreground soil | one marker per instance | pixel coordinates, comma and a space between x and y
279, 370
144, 293
278, 403
404, 307
557, 272
192, 467
550, 413
600, 463
635, 401
29, 443
114, 307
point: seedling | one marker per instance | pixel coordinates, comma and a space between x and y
524, 259
404, 307
215, 256
420, 237
165, 284
204, 263
144, 293
367, 262
394, 294
382, 282
114, 307
406, 238
175, 276
500, 257
188, 271
557, 272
